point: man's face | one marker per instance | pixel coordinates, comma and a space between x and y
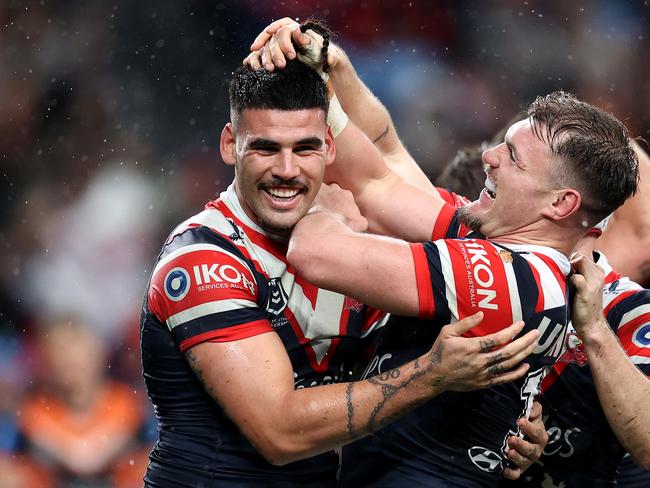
279, 157
517, 187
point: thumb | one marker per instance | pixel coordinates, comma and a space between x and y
466, 324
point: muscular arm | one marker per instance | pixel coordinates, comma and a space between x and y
626, 242
252, 379
622, 389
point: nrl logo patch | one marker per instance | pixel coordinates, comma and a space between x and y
277, 301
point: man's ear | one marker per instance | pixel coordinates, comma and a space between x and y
566, 203
227, 145
331, 147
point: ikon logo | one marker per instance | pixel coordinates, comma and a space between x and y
219, 273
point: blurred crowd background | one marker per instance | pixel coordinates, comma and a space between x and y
110, 115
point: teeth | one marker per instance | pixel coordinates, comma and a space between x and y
283, 192
490, 185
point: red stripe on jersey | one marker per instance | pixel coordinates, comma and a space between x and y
559, 276
371, 317
441, 225
446, 196
229, 334
423, 280
481, 284
539, 306
198, 277
277, 248
611, 277
309, 351
626, 334
617, 300
553, 375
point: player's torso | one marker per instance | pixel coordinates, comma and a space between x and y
582, 449
465, 434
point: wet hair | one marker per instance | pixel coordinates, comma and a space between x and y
321, 28
594, 146
296, 87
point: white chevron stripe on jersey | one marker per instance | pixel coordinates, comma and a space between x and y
640, 359
634, 314
553, 293
193, 248
513, 289
316, 322
216, 306
450, 282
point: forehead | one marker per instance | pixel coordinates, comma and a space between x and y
282, 125
530, 149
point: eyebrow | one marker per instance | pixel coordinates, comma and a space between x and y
262, 144
316, 142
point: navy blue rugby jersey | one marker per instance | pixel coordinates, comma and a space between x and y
582, 449
630, 475
219, 277
460, 439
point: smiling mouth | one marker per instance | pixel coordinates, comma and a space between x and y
283, 194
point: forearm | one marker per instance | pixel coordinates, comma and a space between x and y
319, 419
623, 391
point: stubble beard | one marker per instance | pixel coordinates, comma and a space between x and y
468, 219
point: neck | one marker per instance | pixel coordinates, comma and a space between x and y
560, 239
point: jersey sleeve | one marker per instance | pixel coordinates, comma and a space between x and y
457, 278
448, 225
206, 292
630, 319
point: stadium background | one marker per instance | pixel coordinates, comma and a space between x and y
110, 114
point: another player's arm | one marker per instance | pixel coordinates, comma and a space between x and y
626, 242
622, 389
252, 379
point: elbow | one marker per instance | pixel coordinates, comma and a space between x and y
279, 452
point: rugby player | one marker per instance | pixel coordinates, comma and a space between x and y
546, 182
245, 361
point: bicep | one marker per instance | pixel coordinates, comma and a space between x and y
250, 378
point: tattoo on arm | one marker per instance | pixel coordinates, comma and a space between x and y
389, 390
348, 397
383, 134
194, 364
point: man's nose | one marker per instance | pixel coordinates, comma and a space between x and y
491, 156
286, 166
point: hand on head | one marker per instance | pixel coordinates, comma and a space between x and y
587, 279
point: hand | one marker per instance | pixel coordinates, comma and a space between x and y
587, 310
283, 40
335, 200
524, 452
472, 363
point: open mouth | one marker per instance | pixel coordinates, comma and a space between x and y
490, 188
283, 194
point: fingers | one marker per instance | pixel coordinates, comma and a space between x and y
490, 341
507, 377
466, 324
535, 412
511, 473
535, 431
271, 29
253, 60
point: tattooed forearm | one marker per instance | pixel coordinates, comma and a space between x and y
348, 398
388, 390
383, 134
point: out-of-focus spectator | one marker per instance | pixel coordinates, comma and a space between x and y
82, 426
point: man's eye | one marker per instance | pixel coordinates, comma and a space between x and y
304, 149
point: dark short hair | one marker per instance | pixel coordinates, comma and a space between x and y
595, 147
296, 87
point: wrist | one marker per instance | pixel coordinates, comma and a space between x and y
597, 334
